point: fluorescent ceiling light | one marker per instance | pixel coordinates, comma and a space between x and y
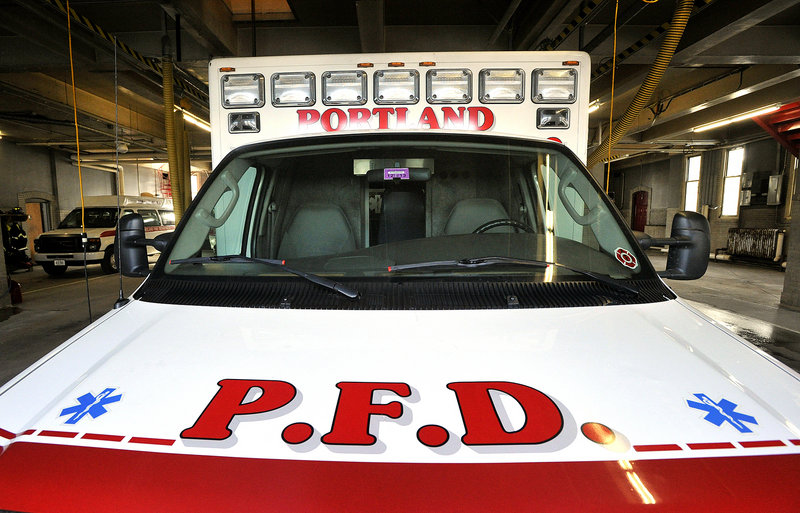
196, 121
734, 119
594, 106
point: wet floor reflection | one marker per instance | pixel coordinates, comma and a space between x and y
781, 343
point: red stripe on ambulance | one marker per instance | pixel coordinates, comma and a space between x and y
94, 480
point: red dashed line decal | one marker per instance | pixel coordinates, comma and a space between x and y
7, 434
794, 442
59, 434
150, 441
656, 448
106, 438
712, 445
28, 432
762, 443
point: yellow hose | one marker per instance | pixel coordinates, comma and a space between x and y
172, 147
665, 53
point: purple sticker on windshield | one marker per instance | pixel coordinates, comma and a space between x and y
396, 173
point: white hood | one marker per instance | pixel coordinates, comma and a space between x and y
668, 383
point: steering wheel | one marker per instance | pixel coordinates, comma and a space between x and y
504, 222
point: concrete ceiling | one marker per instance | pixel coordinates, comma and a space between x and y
735, 56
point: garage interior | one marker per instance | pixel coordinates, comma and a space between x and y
719, 134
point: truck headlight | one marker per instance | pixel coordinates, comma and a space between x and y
554, 85
240, 91
93, 245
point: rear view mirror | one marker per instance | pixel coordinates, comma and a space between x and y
689, 246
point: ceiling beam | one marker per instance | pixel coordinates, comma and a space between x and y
736, 104
371, 25
209, 21
722, 21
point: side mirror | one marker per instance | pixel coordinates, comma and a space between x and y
132, 255
161, 241
132, 252
689, 246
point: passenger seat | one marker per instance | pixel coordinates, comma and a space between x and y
317, 229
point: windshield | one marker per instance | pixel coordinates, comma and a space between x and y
354, 207
95, 217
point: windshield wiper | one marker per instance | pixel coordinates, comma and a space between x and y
278, 264
472, 263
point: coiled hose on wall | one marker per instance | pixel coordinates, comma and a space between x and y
665, 53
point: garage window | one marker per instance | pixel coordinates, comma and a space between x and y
733, 180
691, 196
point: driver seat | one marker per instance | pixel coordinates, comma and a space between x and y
470, 213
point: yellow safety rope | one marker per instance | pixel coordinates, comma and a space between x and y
611, 107
75, 115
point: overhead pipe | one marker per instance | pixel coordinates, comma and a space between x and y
665, 53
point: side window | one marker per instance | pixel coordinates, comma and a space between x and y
218, 224
150, 217
230, 234
167, 217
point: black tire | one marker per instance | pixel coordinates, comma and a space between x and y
109, 263
54, 270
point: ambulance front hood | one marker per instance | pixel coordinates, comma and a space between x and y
577, 409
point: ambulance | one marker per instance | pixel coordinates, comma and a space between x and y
56, 250
401, 290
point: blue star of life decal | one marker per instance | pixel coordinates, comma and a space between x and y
723, 411
91, 405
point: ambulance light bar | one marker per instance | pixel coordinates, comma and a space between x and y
501, 86
554, 85
552, 118
449, 85
344, 88
244, 122
243, 91
394, 87
293, 89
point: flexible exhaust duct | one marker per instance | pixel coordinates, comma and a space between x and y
175, 171
665, 53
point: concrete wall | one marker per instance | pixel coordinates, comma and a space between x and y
33, 173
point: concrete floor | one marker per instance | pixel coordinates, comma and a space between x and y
744, 298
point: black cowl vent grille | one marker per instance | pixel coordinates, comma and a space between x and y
397, 295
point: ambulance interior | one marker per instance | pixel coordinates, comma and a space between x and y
370, 207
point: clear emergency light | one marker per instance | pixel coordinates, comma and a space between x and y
243, 91
554, 85
449, 85
501, 86
396, 86
293, 89
344, 88
244, 122
552, 118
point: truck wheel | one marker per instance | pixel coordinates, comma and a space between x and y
109, 263
54, 270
